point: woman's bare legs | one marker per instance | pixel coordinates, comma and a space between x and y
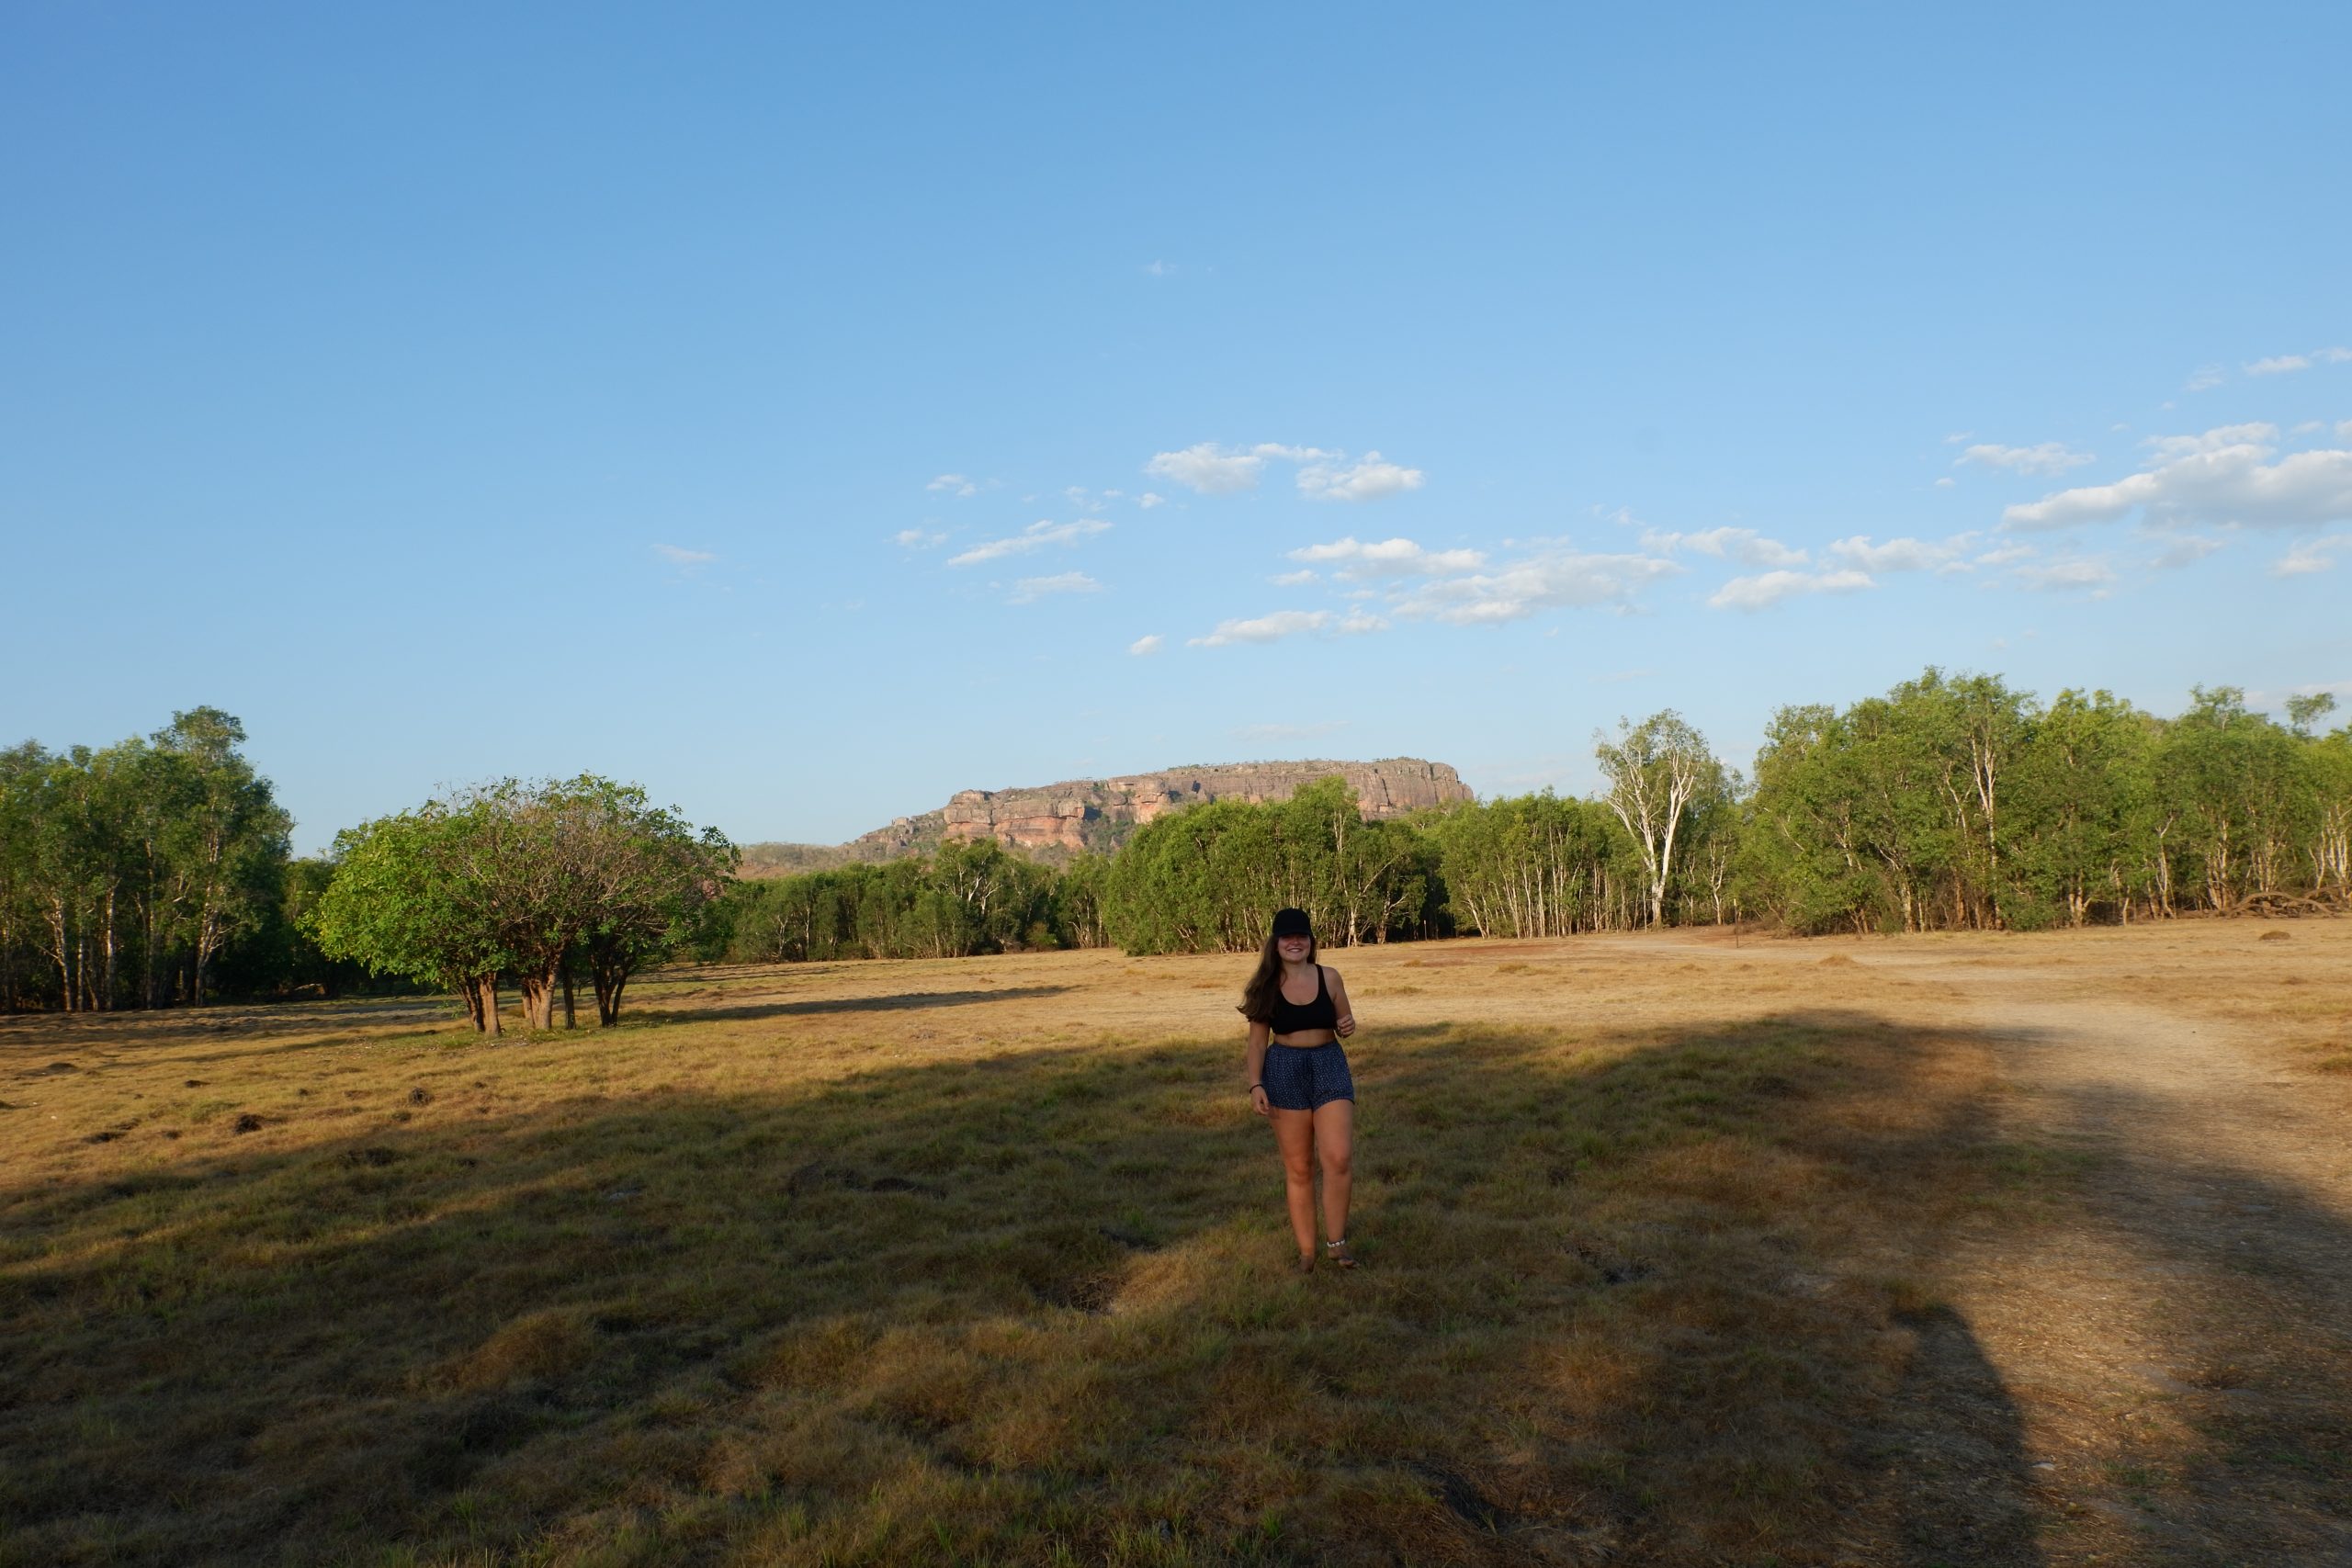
1335, 1138
1295, 1131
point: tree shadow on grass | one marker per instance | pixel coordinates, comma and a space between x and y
897, 1001
1661, 1300
2232, 1440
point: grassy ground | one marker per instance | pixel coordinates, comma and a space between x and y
983, 1261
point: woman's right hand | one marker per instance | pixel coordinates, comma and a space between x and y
1258, 1101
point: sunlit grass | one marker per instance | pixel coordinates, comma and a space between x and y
984, 1262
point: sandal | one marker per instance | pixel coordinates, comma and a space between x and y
1305, 1264
1336, 1254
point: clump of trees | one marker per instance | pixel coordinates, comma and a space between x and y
127, 874
1210, 877
550, 883
1958, 803
963, 898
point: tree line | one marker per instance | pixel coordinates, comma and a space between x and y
1961, 804
131, 874
1950, 803
156, 872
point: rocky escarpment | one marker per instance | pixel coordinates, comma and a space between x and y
1055, 821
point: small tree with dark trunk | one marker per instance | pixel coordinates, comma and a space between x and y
401, 903
645, 873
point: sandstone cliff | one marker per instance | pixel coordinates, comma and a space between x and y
1056, 821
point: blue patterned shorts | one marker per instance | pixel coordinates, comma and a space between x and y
1307, 1077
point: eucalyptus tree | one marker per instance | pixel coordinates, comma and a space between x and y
1655, 770
230, 846
2083, 792
2204, 770
1523, 865
20, 781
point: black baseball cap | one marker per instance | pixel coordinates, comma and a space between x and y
1293, 922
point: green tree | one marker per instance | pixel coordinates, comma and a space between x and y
644, 874
229, 847
1655, 770
402, 903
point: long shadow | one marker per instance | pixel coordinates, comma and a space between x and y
2246, 1282
1632, 1304
899, 1001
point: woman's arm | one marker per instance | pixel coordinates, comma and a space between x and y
1254, 1066
1345, 1024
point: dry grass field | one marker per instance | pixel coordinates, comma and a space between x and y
1952, 1250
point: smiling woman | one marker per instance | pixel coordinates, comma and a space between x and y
1299, 1080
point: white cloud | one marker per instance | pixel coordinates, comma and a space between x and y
917, 540
2206, 379
2344, 430
2185, 552
1944, 481
1207, 468
1265, 628
1957, 437
2312, 555
2283, 364
1359, 621
1143, 647
2006, 555
1029, 589
2049, 458
954, 484
1036, 536
1901, 555
1557, 578
1368, 480
2164, 448
2075, 572
1769, 588
1323, 474
1356, 561
1159, 269
2221, 477
1745, 546
1148, 501
1293, 578
677, 557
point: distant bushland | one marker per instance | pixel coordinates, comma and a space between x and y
156, 872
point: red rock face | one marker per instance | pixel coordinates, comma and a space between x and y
1055, 819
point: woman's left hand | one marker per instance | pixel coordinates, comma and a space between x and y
1345, 1025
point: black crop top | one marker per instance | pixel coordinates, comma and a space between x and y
1292, 1017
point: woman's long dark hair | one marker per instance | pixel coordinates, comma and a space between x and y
1257, 998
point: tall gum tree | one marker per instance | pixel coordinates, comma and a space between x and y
1654, 769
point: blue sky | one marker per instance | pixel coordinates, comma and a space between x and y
809, 414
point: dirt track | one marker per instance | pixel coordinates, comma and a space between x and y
2175, 1350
